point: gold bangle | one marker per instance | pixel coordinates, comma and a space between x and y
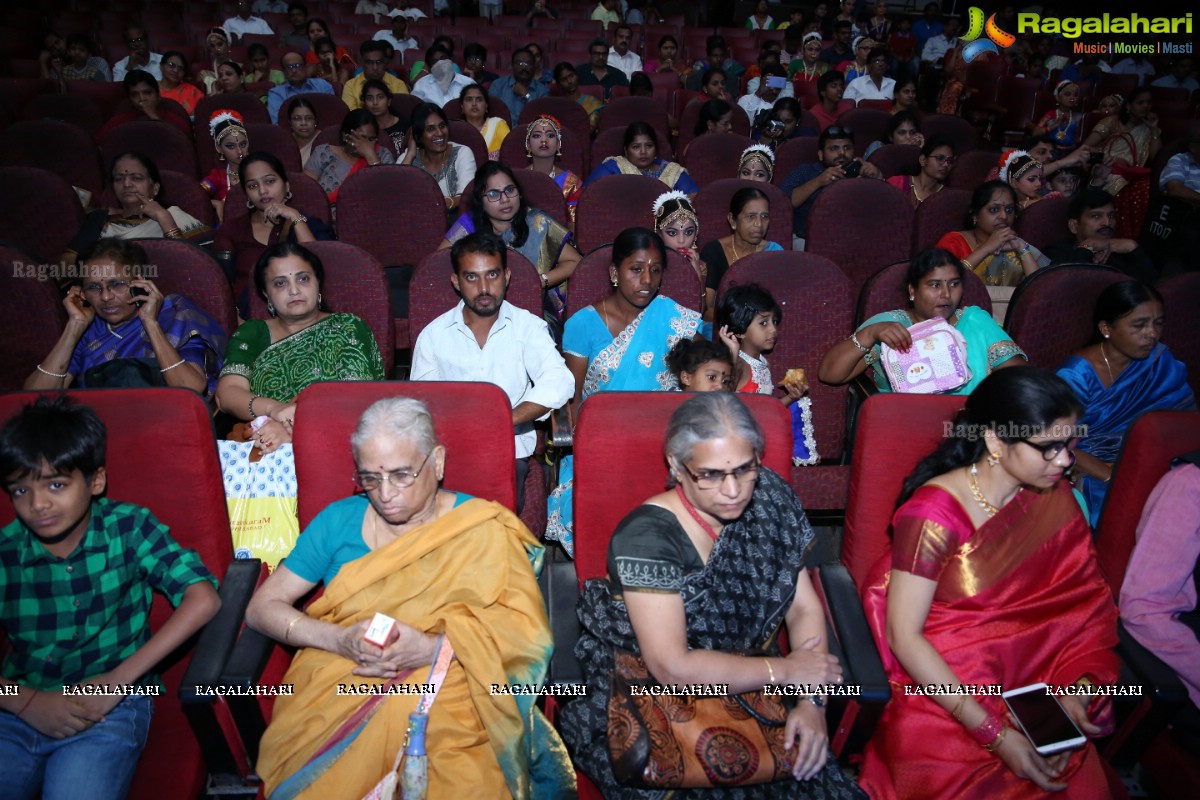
967, 264
956, 712
287, 634
770, 672
995, 744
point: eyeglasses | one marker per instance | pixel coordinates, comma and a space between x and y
838, 132
524, 62
114, 287
399, 479
711, 479
1051, 450
942, 158
293, 67
493, 195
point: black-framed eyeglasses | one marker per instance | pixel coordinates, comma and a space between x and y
942, 158
1051, 450
493, 195
399, 479
838, 132
710, 479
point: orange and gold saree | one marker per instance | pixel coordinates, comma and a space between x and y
1018, 601
468, 575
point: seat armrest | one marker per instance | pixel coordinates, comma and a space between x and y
861, 662
219, 637
863, 384
560, 591
562, 435
1158, 680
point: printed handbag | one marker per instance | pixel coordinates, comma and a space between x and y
665, 741
936, 362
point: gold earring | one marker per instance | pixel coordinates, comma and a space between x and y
993, 459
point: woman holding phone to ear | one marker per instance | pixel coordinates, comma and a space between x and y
991, 580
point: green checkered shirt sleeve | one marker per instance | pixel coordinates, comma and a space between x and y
73, 618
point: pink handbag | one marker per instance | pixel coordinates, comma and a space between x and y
936, 362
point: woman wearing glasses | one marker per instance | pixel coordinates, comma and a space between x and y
409, 549
1124, 372
990, 579
497, 206
936, 161
121, 331
699, 576
934, 284
174, 83
270, 361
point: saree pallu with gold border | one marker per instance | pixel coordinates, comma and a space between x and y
1018, 601
468, 575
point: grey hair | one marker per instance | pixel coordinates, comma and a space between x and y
710, 415
402, 417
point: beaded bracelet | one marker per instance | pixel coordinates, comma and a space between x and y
857, 343
45, 371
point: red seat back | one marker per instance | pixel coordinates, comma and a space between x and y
1050, 314
624, 111
472, 420
78, 111
464, 133
188, 270
972, 169
368, 193
165, 144
893, 434
1044, 222
31, 316
715, 156
62, 148
712, 207
1181, 298
791, 154
611, 204
39, 211
886, 290
960, 132
897, 159
330, 110
615, 474
937, 215
874, 239
867, 124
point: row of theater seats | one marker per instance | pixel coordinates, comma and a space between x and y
893, 433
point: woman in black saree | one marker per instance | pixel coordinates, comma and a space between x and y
698, 576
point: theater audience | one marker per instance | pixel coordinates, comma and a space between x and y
966, 610
700, 365
831, 88
936, 161
335, 59
442, 84
1064, 122
597, 72
330, 165
990, 247
302, 124
406, 548
749, 221
1125, 372
756, 164
397, 36
270, 361
934, 284
836, 161
374, 61
244, 23
80, 64
903, 128
808, 67
763, 98
141, 89
258, 66
517, 89
297, 38
838, 53
139, 58
498, 207
1092, 219
232, 143
668, 58
1023, 173
175, 85
121, 331
1130, 140
377, 99
620, 56
487, 338
567, 80
676, 221
640, 157
874, 84
217, 44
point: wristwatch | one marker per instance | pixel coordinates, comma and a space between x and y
817, 700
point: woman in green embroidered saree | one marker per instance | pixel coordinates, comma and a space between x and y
270, 361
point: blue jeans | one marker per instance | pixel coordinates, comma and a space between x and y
95, 764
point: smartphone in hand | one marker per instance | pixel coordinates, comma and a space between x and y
1043, 720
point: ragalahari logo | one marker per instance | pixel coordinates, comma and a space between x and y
996, 40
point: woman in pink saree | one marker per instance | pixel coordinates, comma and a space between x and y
991, 581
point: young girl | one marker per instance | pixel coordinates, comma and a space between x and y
675, 220
1065, 121
701, 366
747, 321
232, 144
1023, 173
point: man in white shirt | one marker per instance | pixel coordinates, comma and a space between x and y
937, 46
486, 339
1135, 65
402, 9
875, 85
620, 56
139, 56
442, 84
244, 23
398, 36
763, 99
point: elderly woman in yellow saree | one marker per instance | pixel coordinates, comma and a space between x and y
1130, 139
410, 550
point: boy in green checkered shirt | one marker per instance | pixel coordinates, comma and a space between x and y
77, 576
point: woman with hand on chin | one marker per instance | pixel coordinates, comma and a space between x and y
991, 248
330, 165
121, 331
990, 579
675, 220
269, 362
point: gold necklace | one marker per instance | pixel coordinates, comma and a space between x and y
977, 493
1106, 364
733, 247
917, 195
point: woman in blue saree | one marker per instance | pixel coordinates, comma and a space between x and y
621, 344
122, 331
497, 206
935, 288
1122, 375
641, 158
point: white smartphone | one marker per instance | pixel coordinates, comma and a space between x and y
1043, 720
